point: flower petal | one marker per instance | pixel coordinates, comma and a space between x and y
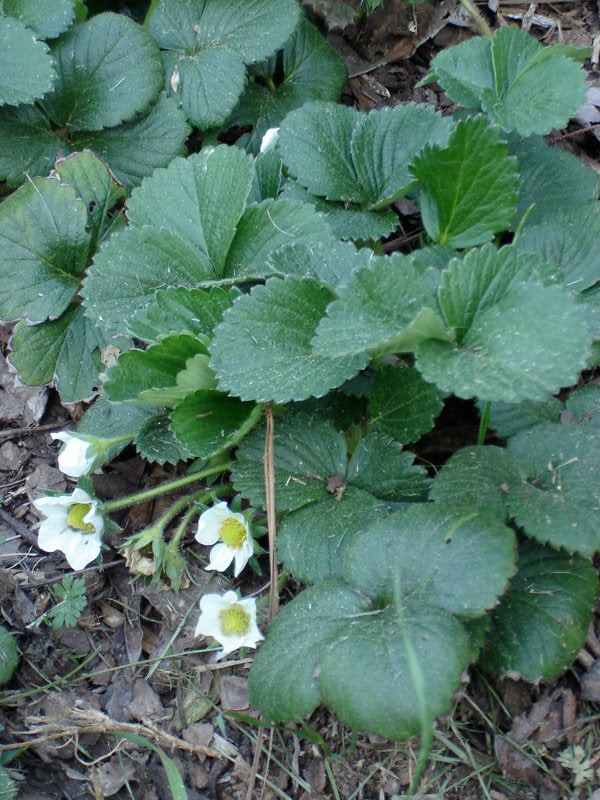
81, 549
221, 557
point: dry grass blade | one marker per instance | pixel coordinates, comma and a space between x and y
269, 460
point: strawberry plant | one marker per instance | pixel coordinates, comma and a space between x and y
189, 291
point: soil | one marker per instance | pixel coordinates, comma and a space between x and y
131, 665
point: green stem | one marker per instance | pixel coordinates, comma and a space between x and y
182, 527
478, 20
172, 486
484, 422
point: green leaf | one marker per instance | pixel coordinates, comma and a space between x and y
72, 600
358, 651
478, 477
156, 442
307, 452
151, 377
43, 250
543, 619
25, 64
520, 85
469, 188
437, 554
134, 149
516, 339
558, 501
109, 70
207, 422
212, 186
27, 144
402, 404
311, 540
383, 308
347, 221
568, 241
283, 681
207, 43
341, 154
47, 18
9, 655
64, 350
96, 186
174, 779
381, 467
262, 349
179, 310
387, 702
130, 267
548, 175
328, 262
311, 70
266, 227
584, 405
111, 420
510, 418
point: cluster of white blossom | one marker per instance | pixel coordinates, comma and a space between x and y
74, 525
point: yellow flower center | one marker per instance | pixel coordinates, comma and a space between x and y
234, 620
75, 518
233, 533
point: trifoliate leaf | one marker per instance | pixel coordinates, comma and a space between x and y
109, 70
155, 441
208, 422
362, 652
65, 350
568, 241
543, 619
307, 453
179, 310
307, 68
25, 64
208, 42
342, 154
284, 679
136, 148
47, 18
262, 349
381, 467
96, 186
402, 404
311, 540
516, 339
387, 307
558, 502
150, 377
43, 250
469, 188
520, 85
546, 176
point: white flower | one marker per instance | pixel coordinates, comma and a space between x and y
269, 140
79, 456
73, 525
230, 534
229, 620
